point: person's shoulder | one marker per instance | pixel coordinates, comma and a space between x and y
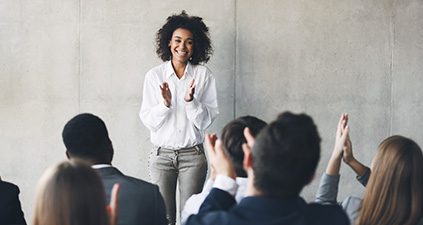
351, 202
202, 69
329, 213
8, 187
157, 70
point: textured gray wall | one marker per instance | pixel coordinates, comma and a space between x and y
60, 58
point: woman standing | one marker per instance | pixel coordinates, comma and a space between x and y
179, 103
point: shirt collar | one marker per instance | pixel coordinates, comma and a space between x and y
170, 71
99, 166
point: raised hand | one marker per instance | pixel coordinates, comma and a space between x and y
217, 158
113, 208
190, 92
340, 144
166, 94
341, 136
249, 137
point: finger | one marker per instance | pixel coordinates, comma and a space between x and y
114, 199
245, 148
346, 118
191, 83
114, 205
344, 136
213, 138
338, 130
219, 149
249, 137
210, 147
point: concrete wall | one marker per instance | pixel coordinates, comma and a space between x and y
60, 58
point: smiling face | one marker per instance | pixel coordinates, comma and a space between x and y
181, 45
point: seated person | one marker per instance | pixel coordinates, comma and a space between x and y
140, 202
232, 139
394, 188
281, 162
72, 193
10, 206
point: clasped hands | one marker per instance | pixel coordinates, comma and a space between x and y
343, 145
167, 95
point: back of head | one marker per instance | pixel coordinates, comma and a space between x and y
285, 155
68, 194
233, 138
394, 192
86, 137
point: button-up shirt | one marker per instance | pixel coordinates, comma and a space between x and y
181, 125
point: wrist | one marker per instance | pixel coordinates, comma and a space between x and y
351, 162
230, 174
336, 157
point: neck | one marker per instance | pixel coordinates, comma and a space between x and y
179, 68
251, 190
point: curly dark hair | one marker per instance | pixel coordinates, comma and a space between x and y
202, 44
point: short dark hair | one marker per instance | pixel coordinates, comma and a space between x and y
233, 138
85, 136
285, 155
202, 44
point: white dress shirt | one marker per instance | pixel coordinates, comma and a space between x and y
181, 125
236, 188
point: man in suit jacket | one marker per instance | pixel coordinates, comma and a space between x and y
85, 137
10, 206
281, 162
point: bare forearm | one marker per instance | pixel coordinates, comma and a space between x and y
358, 167
334, 165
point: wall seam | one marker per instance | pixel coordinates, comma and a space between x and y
79, 57
392, 65
235, 56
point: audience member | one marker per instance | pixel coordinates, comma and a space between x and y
232, 139
10, 206
85, 136
281, 162
394, 189
72, 193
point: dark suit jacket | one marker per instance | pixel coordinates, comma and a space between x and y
10, 206
140, 202
219, 208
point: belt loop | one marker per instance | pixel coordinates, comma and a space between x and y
197, 149
158, 151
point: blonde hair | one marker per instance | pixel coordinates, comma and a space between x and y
394, 193
70, 193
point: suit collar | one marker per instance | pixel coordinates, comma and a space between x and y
108, 171
272, 204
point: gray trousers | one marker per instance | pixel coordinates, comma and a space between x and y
167, 166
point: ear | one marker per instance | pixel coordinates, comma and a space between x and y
168, 45
311, 178
248, 158
67, 154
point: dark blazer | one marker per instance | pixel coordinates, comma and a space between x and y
219, 208
140, 202
10, 206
